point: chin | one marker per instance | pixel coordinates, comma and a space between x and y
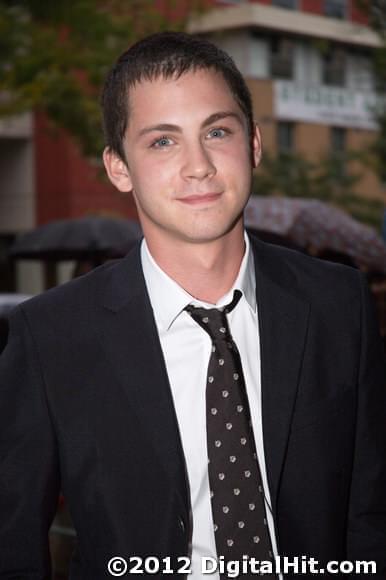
210, 234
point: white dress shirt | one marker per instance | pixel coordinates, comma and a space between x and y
187, 348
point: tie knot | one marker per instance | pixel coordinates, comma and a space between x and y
214, 320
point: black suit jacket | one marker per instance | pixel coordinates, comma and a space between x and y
86, 406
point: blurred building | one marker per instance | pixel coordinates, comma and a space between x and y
44, 177
309, 67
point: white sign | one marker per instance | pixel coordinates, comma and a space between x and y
325, 105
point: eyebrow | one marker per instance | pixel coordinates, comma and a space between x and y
168, 127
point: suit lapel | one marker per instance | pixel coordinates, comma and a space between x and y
129, 337
283, 320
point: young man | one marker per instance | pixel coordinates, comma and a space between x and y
208, 395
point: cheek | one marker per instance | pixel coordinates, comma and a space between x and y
237, 170
237, 158
153, 176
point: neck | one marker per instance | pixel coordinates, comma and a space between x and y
206, 271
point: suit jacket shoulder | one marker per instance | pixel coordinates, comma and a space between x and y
324, 284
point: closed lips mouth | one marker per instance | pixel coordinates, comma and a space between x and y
199, 197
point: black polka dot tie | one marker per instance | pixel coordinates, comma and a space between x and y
237, 496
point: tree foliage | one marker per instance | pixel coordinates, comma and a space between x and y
54, 56
376, 12
330, 179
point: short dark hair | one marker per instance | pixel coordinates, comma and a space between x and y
165, 54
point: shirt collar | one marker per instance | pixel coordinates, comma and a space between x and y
168, 299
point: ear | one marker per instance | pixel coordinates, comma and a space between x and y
117, 171
256, 147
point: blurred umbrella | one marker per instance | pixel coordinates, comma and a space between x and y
318, 225
90, 238
9, 301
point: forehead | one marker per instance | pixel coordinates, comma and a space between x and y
193, 96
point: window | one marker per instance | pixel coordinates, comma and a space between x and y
285, 137
285, 3
335, 8
338, 150
7, 266
361, 71
338, 140
282, 58
334, 67
378, 14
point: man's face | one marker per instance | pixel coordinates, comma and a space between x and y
189, 157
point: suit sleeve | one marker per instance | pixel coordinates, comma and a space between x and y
29, 471
367, 510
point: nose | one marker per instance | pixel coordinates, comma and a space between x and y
198, 163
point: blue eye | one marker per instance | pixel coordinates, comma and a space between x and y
161, 142
218, 133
